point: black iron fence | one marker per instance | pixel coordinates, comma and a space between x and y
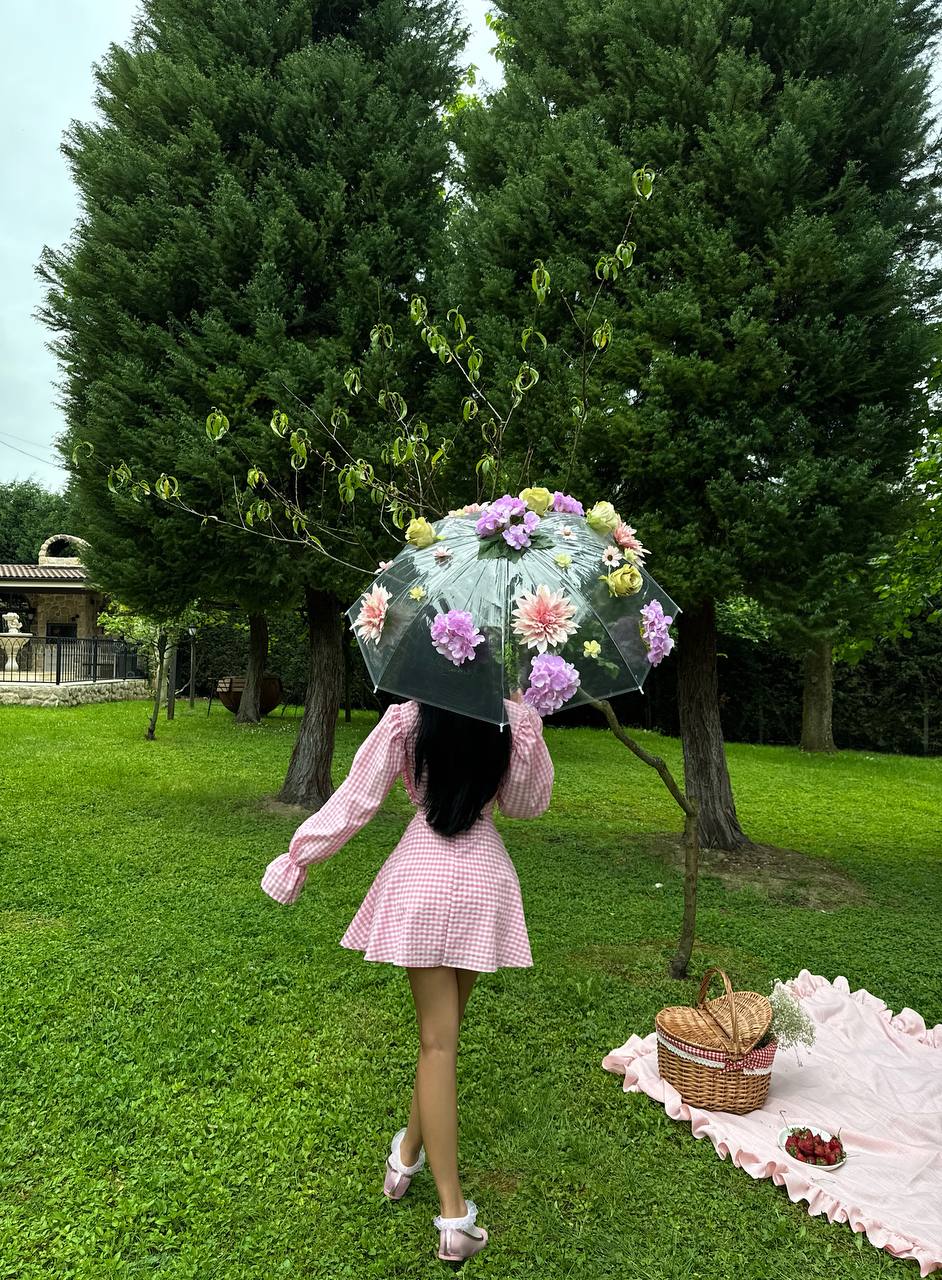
65, 660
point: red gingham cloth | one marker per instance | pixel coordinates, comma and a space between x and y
757, 1060
437, 900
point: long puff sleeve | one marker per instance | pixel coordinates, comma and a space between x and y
375, 768
528, 782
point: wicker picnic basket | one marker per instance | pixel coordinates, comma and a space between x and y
709, 1054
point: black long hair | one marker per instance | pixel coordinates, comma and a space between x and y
462, 763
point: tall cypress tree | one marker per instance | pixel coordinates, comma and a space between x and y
259, 166
759, 403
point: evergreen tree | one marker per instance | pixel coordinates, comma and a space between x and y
759, 403
259, 166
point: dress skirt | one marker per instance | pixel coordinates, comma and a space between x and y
444, 901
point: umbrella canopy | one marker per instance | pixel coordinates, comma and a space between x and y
508, 596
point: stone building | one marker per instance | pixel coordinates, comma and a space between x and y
58, 655
53, 597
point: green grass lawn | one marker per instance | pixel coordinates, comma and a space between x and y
197, 1082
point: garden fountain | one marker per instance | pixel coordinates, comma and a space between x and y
11, 642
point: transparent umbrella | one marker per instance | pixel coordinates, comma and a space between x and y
502, 598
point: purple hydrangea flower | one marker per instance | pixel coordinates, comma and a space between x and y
655, 631
498, 515
455, 636
568, 505
553, 681
518, 535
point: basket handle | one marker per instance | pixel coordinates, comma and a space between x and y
734, 1021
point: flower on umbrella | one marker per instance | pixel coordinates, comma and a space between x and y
566, 531
383, 564
420, 533
417, 593
509, 517
564, 503
655, 631
498, 514
625, 581
471, 509
603, 518
591, 649
544, 619
553, 681
442, 554
372, 616
628, 540
518, 535
611, 556
455, 636
538, 500
563, 560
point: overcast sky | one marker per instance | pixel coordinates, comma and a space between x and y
47, 82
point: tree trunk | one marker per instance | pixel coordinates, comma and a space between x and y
691, 872
308, 781
706, 776
925, 719
172, 681
817, 703
346, 671
249, 704
158, 685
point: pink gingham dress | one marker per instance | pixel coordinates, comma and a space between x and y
437, 900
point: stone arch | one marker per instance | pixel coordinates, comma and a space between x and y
61, 548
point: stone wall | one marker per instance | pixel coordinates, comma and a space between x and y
81, 607
71, 695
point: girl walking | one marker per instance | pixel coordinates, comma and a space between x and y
445, 905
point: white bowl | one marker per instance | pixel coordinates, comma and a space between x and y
824, 1133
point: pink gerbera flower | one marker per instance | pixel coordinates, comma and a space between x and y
372, 616
544, 619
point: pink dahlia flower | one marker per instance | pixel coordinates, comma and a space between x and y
372, 616
627, 539
455, 636
544, 619
553, 681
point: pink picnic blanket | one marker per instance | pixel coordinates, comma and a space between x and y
874, 1075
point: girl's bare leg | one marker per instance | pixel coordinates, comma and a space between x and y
412, 1139
440, 996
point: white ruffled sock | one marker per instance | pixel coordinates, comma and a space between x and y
395, 1160
458, 1224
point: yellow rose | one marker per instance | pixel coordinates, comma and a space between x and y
591, 648
624, 581
538, 500
420, 533
603, 518
563, 560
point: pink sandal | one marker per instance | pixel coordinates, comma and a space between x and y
398, 1175
459, 1238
